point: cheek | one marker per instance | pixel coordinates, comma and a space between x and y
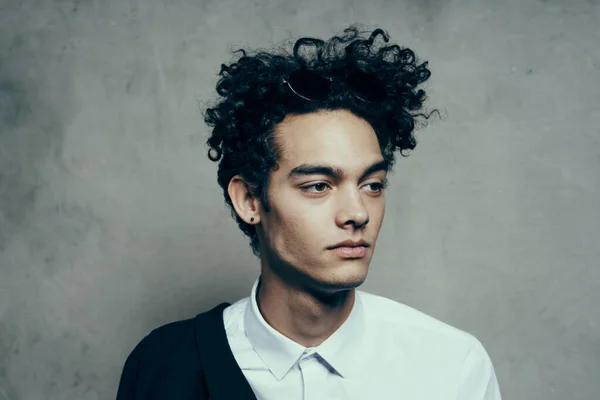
380, 213
298, 236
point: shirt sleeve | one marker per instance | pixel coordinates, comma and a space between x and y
479, 380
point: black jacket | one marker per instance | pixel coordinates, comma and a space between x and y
185, 360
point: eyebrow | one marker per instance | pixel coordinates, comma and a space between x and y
337, 173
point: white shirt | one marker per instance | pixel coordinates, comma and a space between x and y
384, 350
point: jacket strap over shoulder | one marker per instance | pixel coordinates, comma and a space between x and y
224, 379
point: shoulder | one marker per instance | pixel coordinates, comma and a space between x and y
172, 340
172, 334
164, 359
433, 347
410, 324
180, 338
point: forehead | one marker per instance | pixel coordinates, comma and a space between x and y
338, 138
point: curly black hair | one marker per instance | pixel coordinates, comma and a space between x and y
255, 98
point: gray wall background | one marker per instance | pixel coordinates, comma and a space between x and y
112, 222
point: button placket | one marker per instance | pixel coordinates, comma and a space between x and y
312, 376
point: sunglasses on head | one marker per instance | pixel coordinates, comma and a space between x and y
312, 86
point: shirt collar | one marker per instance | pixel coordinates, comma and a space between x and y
280, 353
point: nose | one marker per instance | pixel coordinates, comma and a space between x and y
352, 211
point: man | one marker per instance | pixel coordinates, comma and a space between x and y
307, 140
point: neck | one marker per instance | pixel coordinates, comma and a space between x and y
306, 317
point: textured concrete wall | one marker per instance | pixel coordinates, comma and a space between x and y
112, 223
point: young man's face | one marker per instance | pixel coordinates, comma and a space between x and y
305, 221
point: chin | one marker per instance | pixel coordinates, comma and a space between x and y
345, 277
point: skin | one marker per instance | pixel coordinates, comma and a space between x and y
307, 291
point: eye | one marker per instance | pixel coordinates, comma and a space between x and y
377, 187
318, 184
380, 186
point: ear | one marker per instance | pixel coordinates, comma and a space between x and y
246, 205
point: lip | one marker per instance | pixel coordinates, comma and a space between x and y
350, 243
350, 252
